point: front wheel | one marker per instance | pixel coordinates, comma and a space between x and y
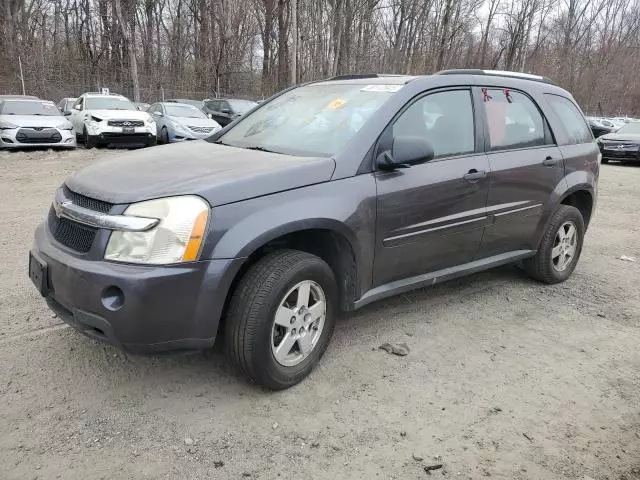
560, 247
281, 318
90, 141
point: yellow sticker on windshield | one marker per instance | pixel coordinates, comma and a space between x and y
336, 104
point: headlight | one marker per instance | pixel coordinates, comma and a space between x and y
177, 238
180, 128
6, 125
65, 126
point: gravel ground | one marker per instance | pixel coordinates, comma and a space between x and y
506, 377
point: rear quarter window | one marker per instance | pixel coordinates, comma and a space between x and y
575, 125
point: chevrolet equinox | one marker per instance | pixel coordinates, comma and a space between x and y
326, 197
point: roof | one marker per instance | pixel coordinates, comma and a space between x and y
98, 94
497, 73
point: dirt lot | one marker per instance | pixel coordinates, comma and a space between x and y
506, 378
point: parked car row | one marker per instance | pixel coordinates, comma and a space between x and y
604, 125
97, 119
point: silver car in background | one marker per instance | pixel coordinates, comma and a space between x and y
177, 122
33, 123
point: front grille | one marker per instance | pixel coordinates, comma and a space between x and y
86, 202
38, 135
71, 234
200, 129
125, 123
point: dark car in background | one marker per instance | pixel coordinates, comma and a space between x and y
226, 110
599, 128
66, 105
622, 145
325, 198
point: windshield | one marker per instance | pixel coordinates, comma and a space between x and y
183, 111
195, 103
314, 120
632, 127
242, 106
21, 107
108, 103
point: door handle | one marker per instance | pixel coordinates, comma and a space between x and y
474, 175
549, 161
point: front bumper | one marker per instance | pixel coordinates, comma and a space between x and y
30, 138
107, 134
614, 154
137, 308
181, 136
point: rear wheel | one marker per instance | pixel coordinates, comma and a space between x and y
560, 247
281, 318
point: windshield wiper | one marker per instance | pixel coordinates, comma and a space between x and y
259, 148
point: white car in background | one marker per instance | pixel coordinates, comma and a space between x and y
101, 119
26, 122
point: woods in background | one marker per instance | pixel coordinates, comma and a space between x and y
199, 48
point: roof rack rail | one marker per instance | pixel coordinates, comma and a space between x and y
358, 76
497, 73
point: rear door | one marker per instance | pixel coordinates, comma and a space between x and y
526, 166
578, 149
432, 216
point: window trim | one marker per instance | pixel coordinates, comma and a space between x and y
387, 132
549, 138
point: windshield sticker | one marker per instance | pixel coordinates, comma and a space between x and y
381, 88
336, 104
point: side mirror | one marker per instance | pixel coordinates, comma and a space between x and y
159, 114
406, 151
209, 116
77, 107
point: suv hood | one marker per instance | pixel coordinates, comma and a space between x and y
195, 122
624, 137
218, 173
119, 114
35, 120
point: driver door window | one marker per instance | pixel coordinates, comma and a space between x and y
445, 119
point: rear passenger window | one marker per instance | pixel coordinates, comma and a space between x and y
574, 123
445, 119
513, 119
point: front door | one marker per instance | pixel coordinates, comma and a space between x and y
432, 216
526, 167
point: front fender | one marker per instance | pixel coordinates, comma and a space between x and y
346, 207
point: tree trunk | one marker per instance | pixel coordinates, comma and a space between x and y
128, 34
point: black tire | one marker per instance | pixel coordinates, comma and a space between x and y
251, 314
152, 142
605, 161
164, 136
541, 266
90, 141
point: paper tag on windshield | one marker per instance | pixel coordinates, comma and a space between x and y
381, 88
336, 104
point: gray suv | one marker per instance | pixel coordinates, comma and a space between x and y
323, 199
